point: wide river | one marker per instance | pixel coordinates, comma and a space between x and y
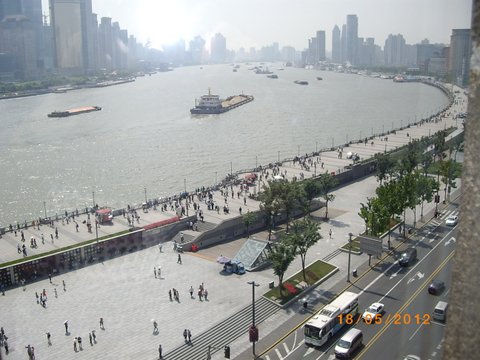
145, 140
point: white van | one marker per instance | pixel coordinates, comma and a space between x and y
349, 343
440, 311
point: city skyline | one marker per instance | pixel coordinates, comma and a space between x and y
256, 24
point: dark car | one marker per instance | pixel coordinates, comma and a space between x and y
408, 256
436, 287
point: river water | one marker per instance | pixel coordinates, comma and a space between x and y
145, 140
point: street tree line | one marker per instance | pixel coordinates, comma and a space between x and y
411, 178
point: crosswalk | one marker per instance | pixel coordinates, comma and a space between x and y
434, 223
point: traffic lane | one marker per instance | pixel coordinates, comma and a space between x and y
414, 333
292, 347
397, 292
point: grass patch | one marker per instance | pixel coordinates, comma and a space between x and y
293, 287
354, 245
63, 249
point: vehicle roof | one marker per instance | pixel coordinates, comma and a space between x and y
350, 334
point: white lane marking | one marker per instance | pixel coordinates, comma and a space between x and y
413, 268
452, 239
415, 332
396, 273
286, 348
433, 238
278, 354
295, 339
267, 357
309, 351
376, 279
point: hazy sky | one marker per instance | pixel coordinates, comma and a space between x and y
247, 23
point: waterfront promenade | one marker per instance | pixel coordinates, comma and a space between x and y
126, 294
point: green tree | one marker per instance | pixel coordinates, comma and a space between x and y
426, 189
281, 256
270, 204
448, 171
384, 166
248, 219
375, 215
303, 236
311, 189
327, 183
290, 195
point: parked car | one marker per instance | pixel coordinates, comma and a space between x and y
452, 220
372, 311
436, 287
408, 256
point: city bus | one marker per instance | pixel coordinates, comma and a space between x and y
321, 327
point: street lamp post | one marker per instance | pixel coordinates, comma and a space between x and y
298, 151
45, 208
186, 197
316, 146
216, 178
349, 254
253, 329
256, 162
332, 141
145, 190
278, 158
93, 199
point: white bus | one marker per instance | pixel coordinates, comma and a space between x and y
331, 318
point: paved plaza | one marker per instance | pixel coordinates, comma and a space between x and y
126, 294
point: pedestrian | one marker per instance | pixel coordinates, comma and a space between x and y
245, 200
55, 291
36, 296
191, 291
170, 294
155, 326
155, 272
79, 343
94, 336
90, 338
56, 233
51, 238
64, 285
185, 334
66, 326
179, 259
160, 247
5, 345
160, 351
75, 345
205, 294
159, 272
181, 238
49, 341
50, 277
101, 324
189, 336
330, 233
200, 294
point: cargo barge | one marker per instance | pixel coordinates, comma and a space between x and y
212, 104
76, 111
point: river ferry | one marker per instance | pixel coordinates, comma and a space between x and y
212, 104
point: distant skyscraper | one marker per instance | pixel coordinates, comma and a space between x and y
105, 43
336, 45
320, 38
196, 49
218, 48
459, 57
344, 43
71, 21
394, 50
17, 38
352, 39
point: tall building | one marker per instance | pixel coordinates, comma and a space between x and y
344, 43
394, 50
196, 49
459, 56
352, 39
105, 43
218, 48
73, 34
426, 52
336, 45
17, 39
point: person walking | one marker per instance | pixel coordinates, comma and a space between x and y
159, 272
49, 341
179, 259
155, 327
90, 338
79, 343
191, 291
330, 233
160, 352
64, 285
170, 294
205, 294
75, 345
66, 326
101, 324
189, 334
94, 336
185, 334
5, 345
155, 272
